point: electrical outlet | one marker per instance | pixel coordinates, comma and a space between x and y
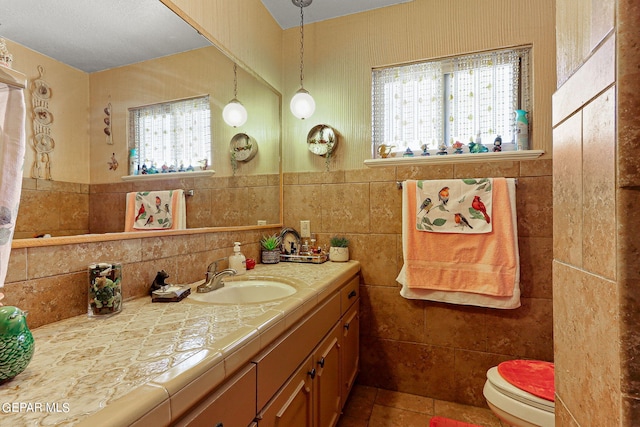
305, 228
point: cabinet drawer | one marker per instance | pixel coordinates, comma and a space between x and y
350, 293
280, 359
233, 405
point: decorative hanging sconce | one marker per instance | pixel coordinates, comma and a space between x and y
302, 104
234, 113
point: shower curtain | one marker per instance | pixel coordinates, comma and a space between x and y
12, 149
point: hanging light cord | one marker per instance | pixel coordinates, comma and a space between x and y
235, 81
301, 43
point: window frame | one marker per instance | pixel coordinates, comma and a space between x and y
177, 146
521, 60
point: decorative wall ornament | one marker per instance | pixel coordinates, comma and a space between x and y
107, 121
113, 163
42, 142
5, 57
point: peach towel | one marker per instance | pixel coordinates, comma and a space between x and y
481, 263
178, 212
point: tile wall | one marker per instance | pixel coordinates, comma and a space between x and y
51, 281
67, 209
431, 349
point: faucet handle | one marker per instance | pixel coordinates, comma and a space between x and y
215, 265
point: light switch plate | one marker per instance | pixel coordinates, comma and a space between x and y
305, 228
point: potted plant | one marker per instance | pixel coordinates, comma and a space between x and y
270, 249
339, 250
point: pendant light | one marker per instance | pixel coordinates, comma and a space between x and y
234, 113
302, 104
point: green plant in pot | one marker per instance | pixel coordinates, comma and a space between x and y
270, 249
339, 249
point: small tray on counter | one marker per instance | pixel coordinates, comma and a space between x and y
310, 258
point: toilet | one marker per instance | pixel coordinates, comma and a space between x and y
520, 393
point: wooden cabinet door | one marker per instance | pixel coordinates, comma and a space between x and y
327, 382
233, 405
351, 348
293, 404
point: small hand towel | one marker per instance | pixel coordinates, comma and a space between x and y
486, 264
155, 210
454, 205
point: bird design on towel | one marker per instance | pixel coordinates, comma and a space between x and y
426, 205
479, 206
462, 221
149, 221
141, 212
443, 195
158, 204
166, 207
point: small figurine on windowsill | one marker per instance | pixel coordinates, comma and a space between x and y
408, 153
442, 149
497, 144
457, 146
425, 150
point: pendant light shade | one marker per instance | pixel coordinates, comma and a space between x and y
234, 113
302, 104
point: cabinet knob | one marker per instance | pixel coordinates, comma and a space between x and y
352, 294
321, 362
312, 373
346, 326
219, 425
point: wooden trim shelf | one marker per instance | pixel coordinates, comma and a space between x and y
455, 158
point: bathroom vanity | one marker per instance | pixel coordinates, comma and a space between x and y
291, 361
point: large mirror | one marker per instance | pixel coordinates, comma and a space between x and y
86, 192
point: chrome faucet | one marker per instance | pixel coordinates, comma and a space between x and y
214, 278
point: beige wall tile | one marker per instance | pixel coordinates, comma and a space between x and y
377, 255
628, 93
534, 206
393, 318
17, 268
506, 330
567, 191
346, 208
471, 373
536, 261
598, 177
536, 167
488, 169
386, 207
599, 71
455, 326
587, 356
303, 202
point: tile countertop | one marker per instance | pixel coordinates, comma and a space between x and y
112, 371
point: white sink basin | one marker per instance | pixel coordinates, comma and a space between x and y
246, 292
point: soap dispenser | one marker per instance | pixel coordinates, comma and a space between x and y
237, 261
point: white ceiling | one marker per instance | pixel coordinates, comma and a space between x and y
94, 35
287, 15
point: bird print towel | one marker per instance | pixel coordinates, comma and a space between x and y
155, 210
485, 264
454, 206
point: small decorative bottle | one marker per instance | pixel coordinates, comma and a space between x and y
522, 130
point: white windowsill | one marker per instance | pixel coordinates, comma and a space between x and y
455, 158
171, 175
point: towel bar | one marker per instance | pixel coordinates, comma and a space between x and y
188, 192
399, 183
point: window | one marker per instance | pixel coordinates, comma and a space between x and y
448, 100
174, 135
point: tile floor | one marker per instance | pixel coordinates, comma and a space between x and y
374, 407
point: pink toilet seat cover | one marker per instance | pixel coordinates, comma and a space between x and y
532, 376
